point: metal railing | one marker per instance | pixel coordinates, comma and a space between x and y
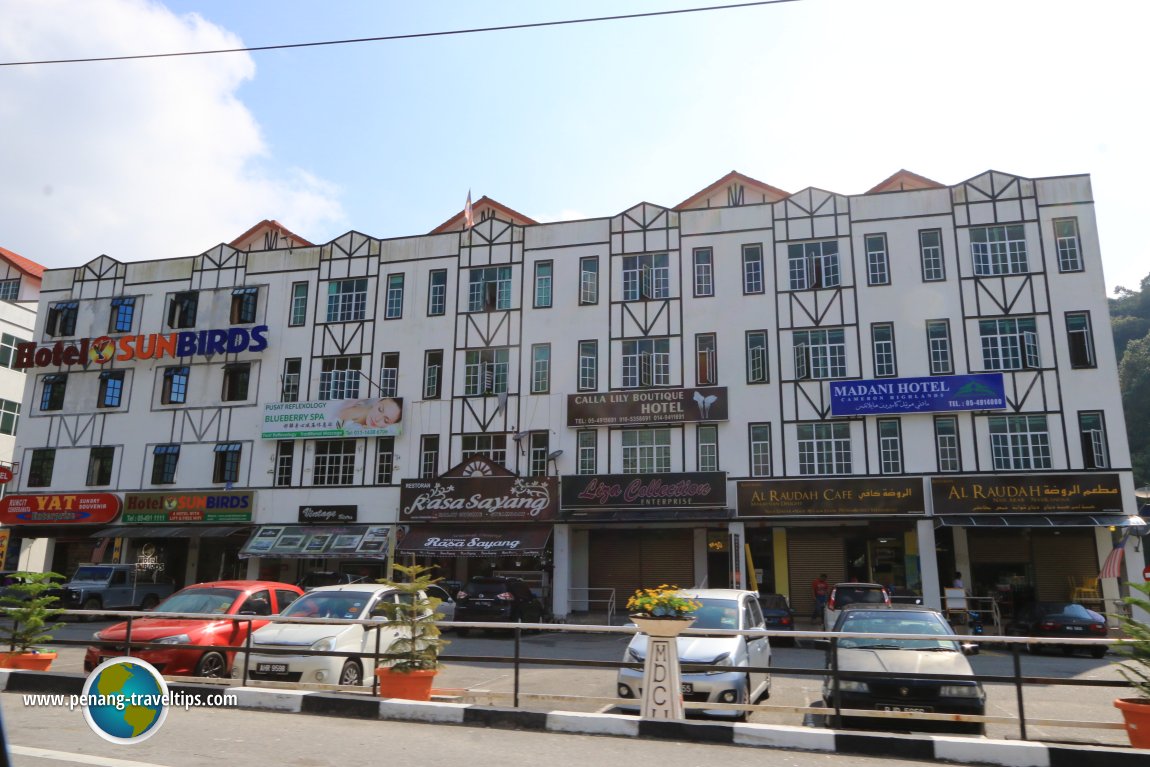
606, 597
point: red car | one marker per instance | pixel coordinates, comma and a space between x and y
219, 598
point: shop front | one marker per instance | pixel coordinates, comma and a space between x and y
53, 532
290, 553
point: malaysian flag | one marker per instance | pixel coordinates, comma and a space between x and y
468, 215
1112, 567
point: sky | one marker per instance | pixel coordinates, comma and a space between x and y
166, 158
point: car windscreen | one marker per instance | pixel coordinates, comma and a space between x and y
851, 595
773, 602
1069, 611
716, 614
91, 574
330, 604
486, 588
893, 623
212, 601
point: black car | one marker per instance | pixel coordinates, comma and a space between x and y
1061, 620
496, 598
777, 615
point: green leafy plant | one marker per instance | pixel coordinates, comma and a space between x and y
418, 645
28, 603
663, 602
1135, 648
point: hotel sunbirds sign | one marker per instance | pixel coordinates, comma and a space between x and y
104, 349
936, 394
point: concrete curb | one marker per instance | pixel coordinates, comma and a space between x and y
1006, 753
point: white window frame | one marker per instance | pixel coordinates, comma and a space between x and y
706, 359
393, 310
704, 272
1009, 343
480, 297
588, 280
754, 280
540, 368
346, 300
389, 374
485, 371
339, 377
544, 283
588, 448
1080, 340
941, 361
947, 450
890, 445
999, 250
646, 362
813, 265
758, 368
646, 277
1092, 428
877, 260
820, 354
930, 255
1019, 442
333, 462
298, 314
646, 451
707, 447
885, 362
588, 366
1068, 244
824, 449
437, 293
759, 445
487, 445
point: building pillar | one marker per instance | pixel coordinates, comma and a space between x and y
961, 559
34, 555
561, 572
737, 538
700, 559
782, 567
928, 561
191, 566
253, 573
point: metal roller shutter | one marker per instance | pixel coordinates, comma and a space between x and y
1060, 558
627, 560
998, 546
810, 554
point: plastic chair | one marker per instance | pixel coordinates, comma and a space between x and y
1085, 588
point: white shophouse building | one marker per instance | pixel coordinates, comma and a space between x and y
750, 388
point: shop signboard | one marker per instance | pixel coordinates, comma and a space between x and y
826, 497
701, 489
463, 541
6, 475
182, 508
935, 394
328, 513
1027, 494
319, 542
59, 508
371, 417
152, 346
479, 498
643, 406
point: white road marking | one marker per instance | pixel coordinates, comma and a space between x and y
64, 756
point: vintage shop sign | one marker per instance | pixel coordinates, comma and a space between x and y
56, 509
371, 417
618, 408
104, 349
1027, 494
628, 491
521, 499
329, 513
824, 497
355, 541
936, 394
175, 508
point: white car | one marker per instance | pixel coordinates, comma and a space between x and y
726, 682
352, 601
853, 593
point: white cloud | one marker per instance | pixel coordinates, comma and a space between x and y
135, 159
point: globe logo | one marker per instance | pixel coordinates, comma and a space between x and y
124, 700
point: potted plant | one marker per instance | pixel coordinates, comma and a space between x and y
663, 611
27, 601
1136, 668
411, 662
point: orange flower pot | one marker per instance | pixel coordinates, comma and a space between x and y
412, 685
1136, 712
27, 661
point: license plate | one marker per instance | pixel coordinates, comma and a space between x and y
907, 709
481, 602
271, 668
687, 688
1075, 628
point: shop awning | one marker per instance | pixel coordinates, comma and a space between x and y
169, 531
318, 542
1037, 520
462, 541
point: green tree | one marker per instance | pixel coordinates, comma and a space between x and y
1134, 382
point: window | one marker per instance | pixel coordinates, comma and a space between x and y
52, 396
389, 374
757, 370
493, 447
587, 441
62, 318
489, 289
820, 354
9, 416
646, 277
1081, 340
946, 443
432, 373
289, 382
437, 293
824, 448
428, 456
237, 375
877, 262
285, 461
298, 314
1009, 343
760, 437
537, 452
346, 300
1066, 240
588, 365
588, 280
543, 278
1019, 442
123, 312
485, 372
111, 388
182, 309
334, 462
998, 250
10, 289
647, 362
646, 451
813, 265
339, 378
707, 447
244, 303
752, 269
175, 390
384, 460
394, 308
882, 343
8, 344
706, 359
890, 446
100, 466
40, 467
938, 341
1093, 433
540, 368
164, 461
704, 272
227, 464
930, 254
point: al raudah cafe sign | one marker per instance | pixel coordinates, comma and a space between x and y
1028, 494
618, 408
825, 497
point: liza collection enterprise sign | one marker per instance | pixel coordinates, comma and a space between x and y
104, 349
936, 394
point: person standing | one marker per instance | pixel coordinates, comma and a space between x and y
958, 584
821, 589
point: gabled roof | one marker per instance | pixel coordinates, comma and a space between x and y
23, 264
772, 194
269, 235
478, 208
903, 180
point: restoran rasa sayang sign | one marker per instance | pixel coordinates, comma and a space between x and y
103, 349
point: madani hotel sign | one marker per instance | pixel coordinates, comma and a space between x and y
104, 349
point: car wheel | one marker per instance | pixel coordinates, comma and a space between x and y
91, 603
744, 698
351, 674
149, 602
212, 665
1097, 652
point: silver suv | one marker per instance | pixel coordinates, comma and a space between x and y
843, 594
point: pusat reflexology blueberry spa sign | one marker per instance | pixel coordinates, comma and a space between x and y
937, 394
371, 417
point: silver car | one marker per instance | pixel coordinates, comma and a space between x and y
726, 681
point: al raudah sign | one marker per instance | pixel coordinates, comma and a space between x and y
825, 497
1027, 494
618, 408
704, 489
165, 508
